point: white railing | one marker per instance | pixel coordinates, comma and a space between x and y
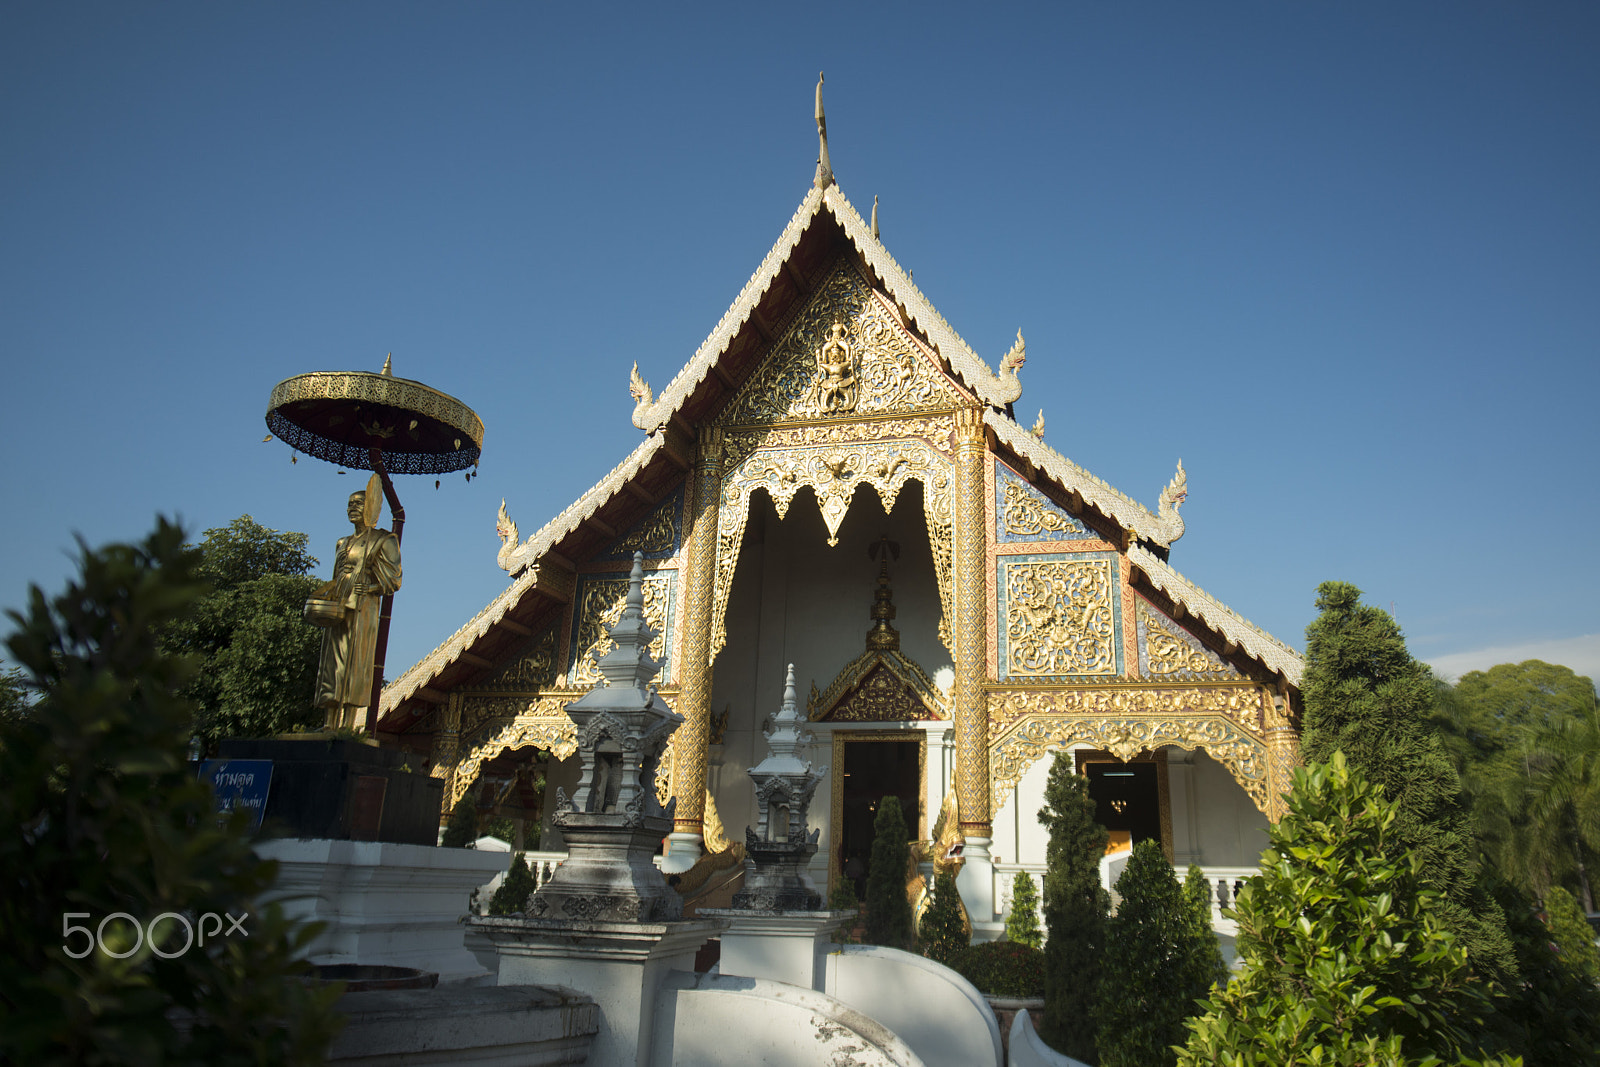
1225, 883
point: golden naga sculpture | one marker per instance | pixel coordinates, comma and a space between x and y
1006, 387
944, 852
366, 568
510, 540
1172, 498
644, 401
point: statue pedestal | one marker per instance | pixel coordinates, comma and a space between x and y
341, 790
785, 946
682, 852
976, 885
620, 965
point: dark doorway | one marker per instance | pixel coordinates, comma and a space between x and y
1127, 796
873, 770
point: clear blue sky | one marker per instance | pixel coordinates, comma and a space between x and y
1342, 259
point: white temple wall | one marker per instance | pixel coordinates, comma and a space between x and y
1214, 822
797, 600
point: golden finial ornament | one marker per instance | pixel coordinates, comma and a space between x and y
875, 218
824, 176
1038, 426
387, 371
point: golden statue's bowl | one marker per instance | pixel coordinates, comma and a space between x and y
324, 612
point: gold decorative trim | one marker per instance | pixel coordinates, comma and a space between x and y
836, 794
820, 707
560, 736
365, 387
1240, 702
1169, 655
1246, 757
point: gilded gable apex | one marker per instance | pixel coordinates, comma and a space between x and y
843, 355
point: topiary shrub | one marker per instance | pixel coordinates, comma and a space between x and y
1075, 907
512, 896
1003, 968
1022, 925
888, 909
941, 935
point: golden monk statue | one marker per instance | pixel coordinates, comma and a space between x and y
366, 568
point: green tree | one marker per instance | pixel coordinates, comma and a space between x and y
1344, 960
1553, 1016
1365, 696
259, 657
1075, 909
1526, 739
14, 696
1147, 986
941, 935
888, 909
1022, 925
1203, 955
513, 893
100, 814
1573, 936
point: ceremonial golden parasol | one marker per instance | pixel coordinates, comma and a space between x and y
380, 423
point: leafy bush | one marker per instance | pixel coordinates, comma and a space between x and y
888, 909
1148, 984
942, 935
1572, 935
100, 814
462, 829
1022, 925
1075, 907
1344, 958
1003, 968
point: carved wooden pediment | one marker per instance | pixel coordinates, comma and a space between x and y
879, 686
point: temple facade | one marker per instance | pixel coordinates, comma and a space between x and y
835, 480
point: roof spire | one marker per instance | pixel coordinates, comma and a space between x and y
875, 217
824, 176
386, 372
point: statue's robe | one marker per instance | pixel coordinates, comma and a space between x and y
344, 675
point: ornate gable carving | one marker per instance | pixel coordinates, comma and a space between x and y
1167, 650
883, 694
1023, 513
843, 356
531, 668
658, 535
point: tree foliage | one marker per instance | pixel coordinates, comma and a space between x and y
888, 908
1022, 925
1367, 697
1526, 739
1203, 956
1553, 1016
1344, 958
514, 891
1573, 936
259, 657
100, 814
1075, 909
462, 829
1148, 982
941, 934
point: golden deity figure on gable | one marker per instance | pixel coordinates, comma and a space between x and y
836, 386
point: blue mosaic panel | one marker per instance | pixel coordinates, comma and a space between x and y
658, 535
598, 604
1058, 617
1022, 513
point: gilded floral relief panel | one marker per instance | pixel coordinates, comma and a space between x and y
597, 606
530, 668
1023, 513
1059, 617
659, 535
844, 355
1169, 652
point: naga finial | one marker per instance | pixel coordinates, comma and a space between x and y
1038, 426
1016, 357
510, 539
824, 176
643, 398
1172, 498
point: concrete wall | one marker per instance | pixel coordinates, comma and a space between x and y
1027, 1049
527, 1026
704, 1020
936, 1011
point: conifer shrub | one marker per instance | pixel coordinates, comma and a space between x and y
888, 908
1075, 908
1205, 967
1003, 968
1022, 925
1366, 696
512, 896
101, 817
1344, 960
941, 935
1147, 981
462, 829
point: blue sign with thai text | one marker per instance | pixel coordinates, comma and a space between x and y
240, 784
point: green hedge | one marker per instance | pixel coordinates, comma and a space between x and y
1003, 968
